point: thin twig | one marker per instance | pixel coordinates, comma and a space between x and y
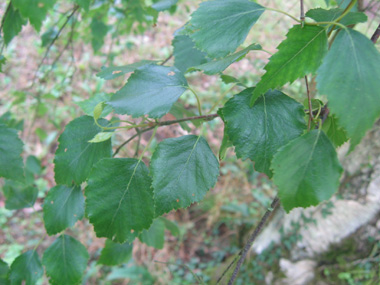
302, 17
138, 142
167, 59
2, 24
310, 106
376, 35
252, 238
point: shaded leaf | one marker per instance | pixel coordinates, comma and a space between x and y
65, 260
84, 4
18, 195
336, 134
323, 15
11, 164
115, 253
258, 132
219, 65
151, 90
155, 235
48, 36
306, 171
162, 5
183, 170
222, 25
123, 187
12, 24
4, 269
75, 156
26, 268
63, 207
3, 61
113, 72
299, 54
89, 105
186, 54
33, 164
350, 79
133, 273
99, 30
171, 226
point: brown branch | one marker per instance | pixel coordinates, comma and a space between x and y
376, 35
302, 17
243, 253
167, 59
309, 101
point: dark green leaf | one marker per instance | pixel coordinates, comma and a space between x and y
336, 134
119, 198
65, 261
4, 269
12, 24
171, 226
258, 132
26, 268
89, 105
18, 195
84, 4
11, 121
155, 235
48, 36
151, 90
113, 72
11, 164
75, 156
63, 206
323, 15
3, 61
186, 54
33, 165
222, 25
219, 65
162, 5
34, 10
350, 79
115, 253
179, 111
183, 170
99, 30
227, 79
306, 171
299, 54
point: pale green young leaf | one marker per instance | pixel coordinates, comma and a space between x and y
89, 105
155, 235
34, 10
11, 147
306, 171
26, 269
4, 269
186, 54
221, 26
323, 15
115, 253
75, 156
101, 137
258, 132
12, 24
98, 110
65, 261
299, 54
123, 187
113, 72
219, 65
183, 170
63, 207
350, 79
19, 195
151, 90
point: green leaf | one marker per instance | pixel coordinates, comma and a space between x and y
119, 198
34, 10
186, 54
258, 132
89, 105
227, 79
151, 90
115, 253
3, 61
98, 110
12, 24
162, 5
84, 4
350, 79
299, 54
225, 145
11, 164
222, 25
306, 171
183, 170
101, 137
171, 226
4, 269
336, 134
98, 30
113, 72
63, 207
18, 195
75, 156
219, 65
133, 273
65, 261
155, 235
48, 36
33, 164
323, 15
26, 268
179, 111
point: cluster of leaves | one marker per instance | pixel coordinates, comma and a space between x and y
124, 198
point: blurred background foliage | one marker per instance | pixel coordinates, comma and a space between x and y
49, 77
